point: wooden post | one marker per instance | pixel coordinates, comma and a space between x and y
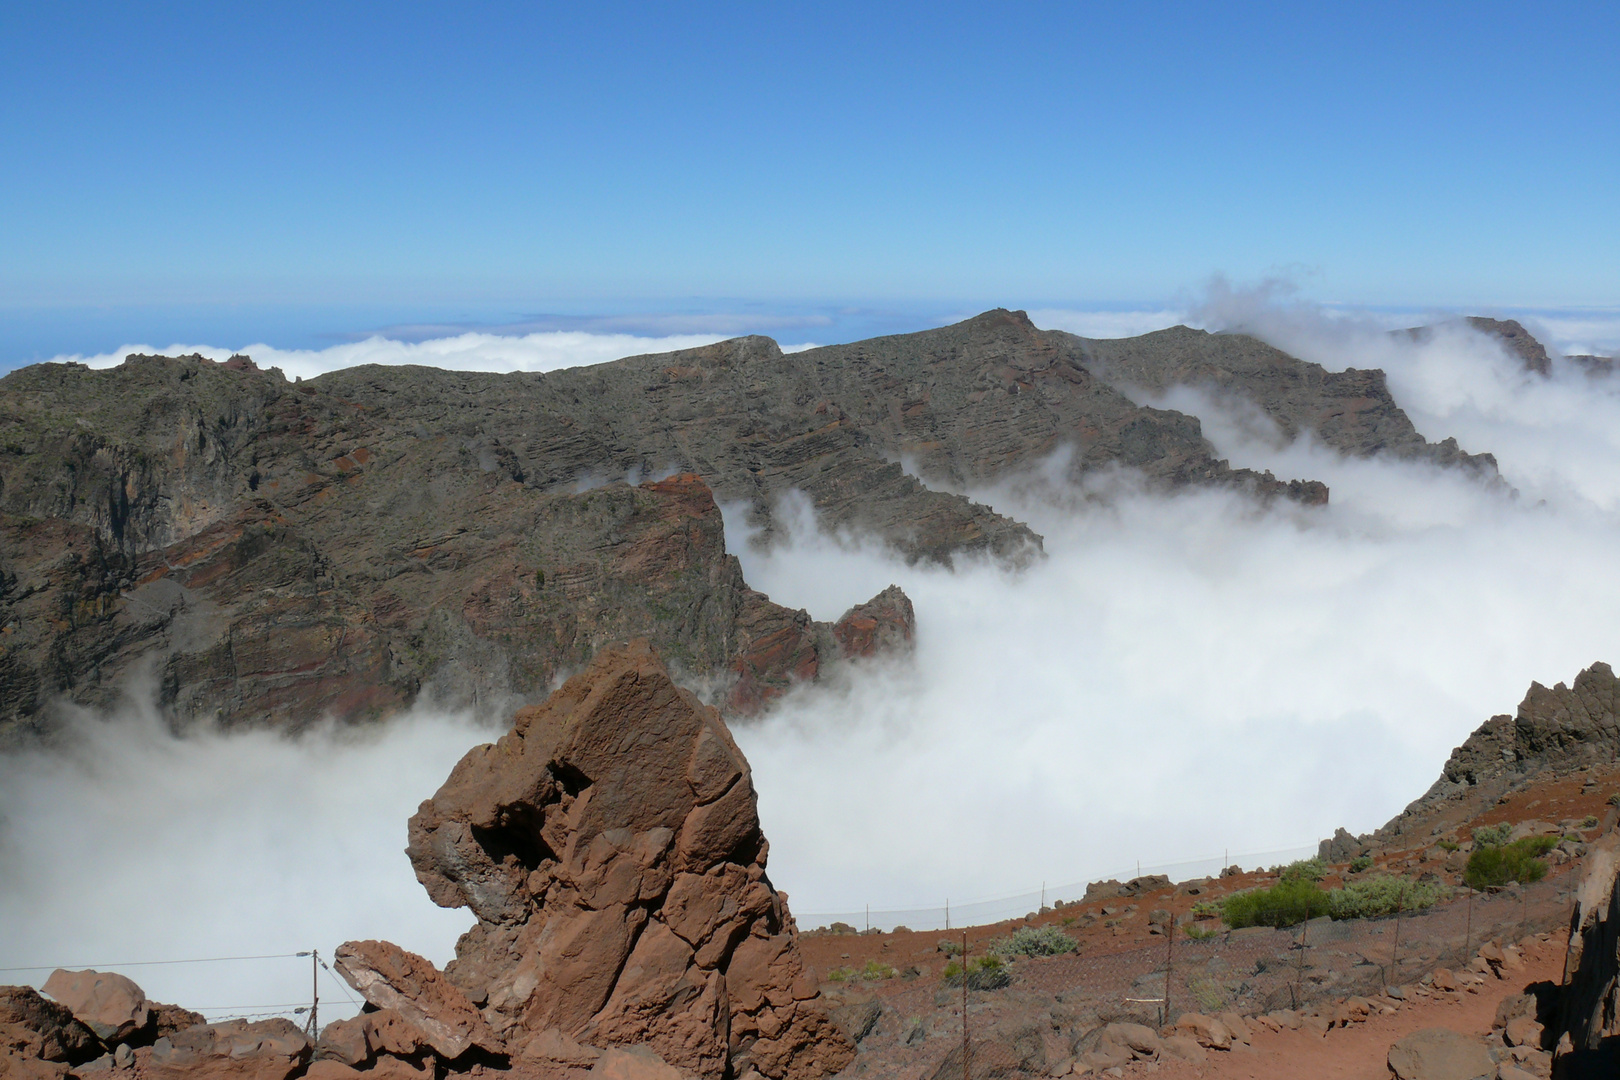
314, 993
1395, 949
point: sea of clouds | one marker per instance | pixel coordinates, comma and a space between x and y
1181, 677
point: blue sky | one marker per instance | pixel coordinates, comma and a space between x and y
305, 170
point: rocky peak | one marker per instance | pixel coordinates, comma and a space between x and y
610, 848
1519, 341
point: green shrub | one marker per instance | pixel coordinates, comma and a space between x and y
1363, 862
840, 974
1492, 835
1199, 933
875, 970
1589, 821
1034, 941
1449, 845
1378, 896
1614, 800
1206, 909
1302, 870
1286, 903
1503, 864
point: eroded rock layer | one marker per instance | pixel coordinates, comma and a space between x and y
610, 848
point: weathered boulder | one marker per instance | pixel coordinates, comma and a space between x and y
1439, 1054
233, 1050
391, 978
39, 1027
107, 1003
610, 848
1207, 1030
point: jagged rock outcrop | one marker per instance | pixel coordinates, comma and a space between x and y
1562, 727
884, 624
1556, 730
610, 848
1351, 410
1519, 341
33, 1026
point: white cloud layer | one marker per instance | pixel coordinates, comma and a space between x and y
548, 351
128, 845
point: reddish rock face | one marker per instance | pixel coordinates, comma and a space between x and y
391, 978
611, 849
886, 623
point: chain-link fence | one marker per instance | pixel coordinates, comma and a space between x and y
1260, 968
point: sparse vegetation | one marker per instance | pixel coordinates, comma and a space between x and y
1292, 901
1492, 835
949, 947
1034, 941
876, 970
983, 973
1378, 896
1206, 909
1199, 933
1614, 800
840, 974
1364, 862
1589, 821
1450, 845
1494, 865
1301, 870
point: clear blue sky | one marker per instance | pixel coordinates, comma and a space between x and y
399, 161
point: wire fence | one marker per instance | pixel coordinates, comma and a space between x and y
949, 914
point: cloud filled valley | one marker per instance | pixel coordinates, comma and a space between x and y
1180, 675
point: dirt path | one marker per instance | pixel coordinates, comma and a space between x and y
1360, 1051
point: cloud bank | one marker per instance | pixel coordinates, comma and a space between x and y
128, 845
1191, 674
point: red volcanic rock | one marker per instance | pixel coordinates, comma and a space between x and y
38, 1027
611, 850
105, 1002
885, 623
391, 978
232, 1050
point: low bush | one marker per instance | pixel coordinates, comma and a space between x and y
1034, 941
1504, 864
1199, 933
875, 970
840, 974
1286, 903
1492, 835
1364, 862
1589, 821
1379, 896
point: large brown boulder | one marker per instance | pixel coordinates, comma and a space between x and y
107, 1003
610, 847
1440, 1054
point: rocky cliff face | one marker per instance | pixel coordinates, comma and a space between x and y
1351, 410
266, 551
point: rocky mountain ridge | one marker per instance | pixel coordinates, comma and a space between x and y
262, 551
